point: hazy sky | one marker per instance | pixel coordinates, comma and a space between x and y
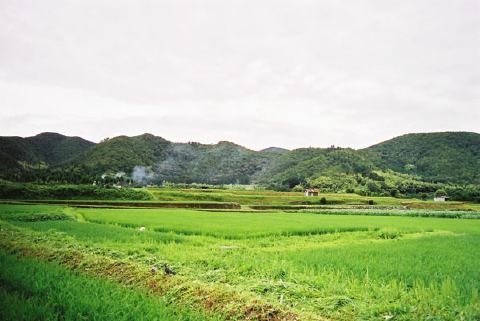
257, 72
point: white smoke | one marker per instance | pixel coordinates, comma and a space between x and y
142, 174
120, 174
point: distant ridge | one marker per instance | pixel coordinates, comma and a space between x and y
442, 156
49, 148
274, 150
450, 157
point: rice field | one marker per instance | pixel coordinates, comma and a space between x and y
33, 290
282, 266
273, 198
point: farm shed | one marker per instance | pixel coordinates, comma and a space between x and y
311, 192
440, 198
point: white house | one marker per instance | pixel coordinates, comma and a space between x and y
440, 198
311, 192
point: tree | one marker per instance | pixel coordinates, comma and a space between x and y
440, 192
298, 188
373, 187
394, 193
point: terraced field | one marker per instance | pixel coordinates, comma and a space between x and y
273, 198
238, 265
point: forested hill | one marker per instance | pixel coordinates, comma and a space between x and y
451, 157
444, 157
45, 149
155, 159
148, 158
123, 153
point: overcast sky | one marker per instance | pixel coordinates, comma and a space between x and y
257, 72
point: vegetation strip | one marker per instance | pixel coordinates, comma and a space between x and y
407, 213
177, 289
131, 204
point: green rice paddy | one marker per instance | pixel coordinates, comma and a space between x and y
308, 266
33, 290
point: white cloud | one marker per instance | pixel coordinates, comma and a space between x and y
260, 73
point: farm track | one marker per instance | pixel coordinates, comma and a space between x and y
181, 290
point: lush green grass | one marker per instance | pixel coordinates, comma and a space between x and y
33, 290
396, 212
241, 225
342, 267
269, 198
72, 193
223, 224
262, 197
105, 234
29, 213
19, 191
408, 261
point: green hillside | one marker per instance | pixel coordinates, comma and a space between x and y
414, 165
16, 149
300, 166
154, 160
220, 163
443, 157
273, 149
45, 148
338, 170
122, 153
406, 165
56, 149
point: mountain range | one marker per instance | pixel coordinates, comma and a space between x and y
443, 157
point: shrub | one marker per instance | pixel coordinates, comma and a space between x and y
9, 190
298, 188
388, 234
394, 193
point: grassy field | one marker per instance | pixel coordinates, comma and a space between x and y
33, 290
239, 265
271, 198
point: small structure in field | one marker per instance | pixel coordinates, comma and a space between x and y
441, 198
311, 192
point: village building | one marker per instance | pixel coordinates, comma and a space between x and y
311, 192
440, 198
